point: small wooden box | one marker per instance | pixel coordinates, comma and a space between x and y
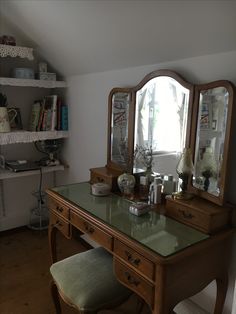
106, 175
199, 213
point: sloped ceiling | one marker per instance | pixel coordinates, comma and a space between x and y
79, 37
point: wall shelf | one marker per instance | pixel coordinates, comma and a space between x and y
29, 137
8, 52
9, 81
16, 51
7, 174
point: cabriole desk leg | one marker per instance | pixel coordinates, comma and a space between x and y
222, 285
2, 203
52, 231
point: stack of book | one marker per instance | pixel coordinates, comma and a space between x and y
49, 114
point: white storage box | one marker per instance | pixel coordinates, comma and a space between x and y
46, 76
23, 73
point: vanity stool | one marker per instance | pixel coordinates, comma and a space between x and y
86, 282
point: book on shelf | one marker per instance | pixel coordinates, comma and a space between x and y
49, 115
64, 118
41, 115
59, 104
34, 116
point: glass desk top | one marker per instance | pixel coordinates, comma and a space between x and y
157, 232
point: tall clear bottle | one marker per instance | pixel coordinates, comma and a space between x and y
157, 190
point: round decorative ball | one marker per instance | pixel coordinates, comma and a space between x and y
126, 183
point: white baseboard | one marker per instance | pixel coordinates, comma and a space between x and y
189, 307
7, 223
234, 300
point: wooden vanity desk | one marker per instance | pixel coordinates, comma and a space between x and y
160, 259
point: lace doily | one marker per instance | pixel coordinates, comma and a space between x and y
16, 51
31, 83
15, 137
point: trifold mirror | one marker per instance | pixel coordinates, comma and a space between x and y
167, 113
210, 139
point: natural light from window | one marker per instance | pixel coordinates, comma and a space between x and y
161, 115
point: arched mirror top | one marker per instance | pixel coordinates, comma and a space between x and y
164, 73
142, 114
163, 102
210, 140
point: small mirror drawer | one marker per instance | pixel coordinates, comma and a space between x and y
95, 233
134, 259
200, 214
58, 208
135, 282
60, 224
188, 216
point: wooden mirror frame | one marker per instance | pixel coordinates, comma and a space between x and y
132, 109
111, 164
191, 133
220, 200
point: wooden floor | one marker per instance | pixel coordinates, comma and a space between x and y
25, 278
24, 273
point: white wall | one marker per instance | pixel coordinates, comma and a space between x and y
87, 144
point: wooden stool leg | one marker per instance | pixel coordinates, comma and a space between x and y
222, 285
52, 233
55, 297
140, 306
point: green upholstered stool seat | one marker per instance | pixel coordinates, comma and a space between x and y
87, 281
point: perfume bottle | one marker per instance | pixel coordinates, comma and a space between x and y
169, 184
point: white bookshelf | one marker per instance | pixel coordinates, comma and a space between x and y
9, 81
16, 137
7, 174
9, 86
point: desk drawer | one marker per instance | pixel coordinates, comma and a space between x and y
59, 223
187, 215
59, 208
135, 282
94, 232
135, 259
198, 213
103, 174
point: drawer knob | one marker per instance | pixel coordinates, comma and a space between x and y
59, 209
100, 179
186, 215
57, 224
131, 279
135, 261
88, 228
